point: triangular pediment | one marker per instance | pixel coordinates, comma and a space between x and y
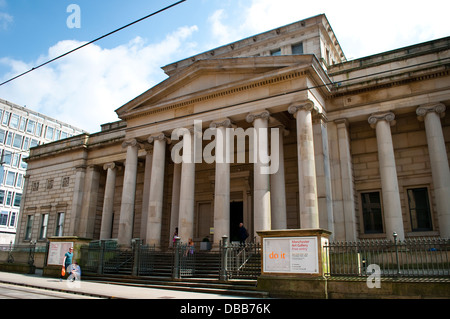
207, 76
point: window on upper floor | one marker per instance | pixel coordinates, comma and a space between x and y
29, 227
275, 52
3, 218
297, 48
14, 122
44, 226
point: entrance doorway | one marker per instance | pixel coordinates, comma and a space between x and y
236, 217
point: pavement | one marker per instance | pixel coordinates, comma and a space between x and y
103, 289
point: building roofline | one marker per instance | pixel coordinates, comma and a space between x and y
43, 116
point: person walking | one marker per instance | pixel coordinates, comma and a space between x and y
243, 234
66, 262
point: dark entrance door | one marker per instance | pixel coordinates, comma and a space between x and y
236, 217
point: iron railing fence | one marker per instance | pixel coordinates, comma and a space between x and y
21, 254
420, 257
240, 261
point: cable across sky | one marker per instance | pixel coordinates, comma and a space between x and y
93, 41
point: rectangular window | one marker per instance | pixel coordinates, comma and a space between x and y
2, 197
419, 209
26, 144
12, 221
19, 182
5, 118
17, 142
4, 218
34, 142
50, 132
297, 48
9, 196
10, 178
275, 52
9, 138
44, 225
39, 129
29, 227
23, 123
59, 224
2, 136
31, 126
15, 160
7, 157
372, 215
17, 200
14, 123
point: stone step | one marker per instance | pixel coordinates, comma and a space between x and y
233, 287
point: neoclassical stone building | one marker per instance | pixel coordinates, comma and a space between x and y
362, 147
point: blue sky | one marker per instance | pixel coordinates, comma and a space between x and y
86, 87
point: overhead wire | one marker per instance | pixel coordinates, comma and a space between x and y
93, 41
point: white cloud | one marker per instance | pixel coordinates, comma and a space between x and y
85, 87
5, 20
362, 29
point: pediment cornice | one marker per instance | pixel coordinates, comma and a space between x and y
261, 71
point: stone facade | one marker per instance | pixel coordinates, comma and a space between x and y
364, 147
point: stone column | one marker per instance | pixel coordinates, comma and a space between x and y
146, 191
348, 196
155, 202
175, 208
75, 213
261, 185
393, 219
108, 202
431, 114
277, 185
89, 205
128, 193
222, 182
309, 212
187, 189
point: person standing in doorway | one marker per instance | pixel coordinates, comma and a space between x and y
243, 234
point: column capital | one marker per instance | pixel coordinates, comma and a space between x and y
265, 115
342, 122
298, 106
112, 165
423, 110
382, 116
131, 142
159, 137
226, 122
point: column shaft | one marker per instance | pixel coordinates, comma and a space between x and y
187, 190
309, 212
439, 162
108, 202
277, 186
155, 202
388, 173
128, 194
222, 183
261, 185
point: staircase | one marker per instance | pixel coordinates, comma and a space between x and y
245, 288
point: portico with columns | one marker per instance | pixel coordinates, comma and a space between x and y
363, 158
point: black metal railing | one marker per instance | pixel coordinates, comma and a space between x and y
421, 257
238, 260
21, 254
